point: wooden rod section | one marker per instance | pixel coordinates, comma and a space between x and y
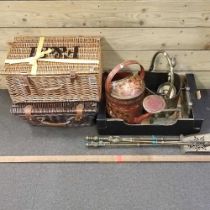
104, 158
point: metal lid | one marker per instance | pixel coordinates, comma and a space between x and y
154, 104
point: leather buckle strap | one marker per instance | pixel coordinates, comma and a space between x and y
79, 112
27, 111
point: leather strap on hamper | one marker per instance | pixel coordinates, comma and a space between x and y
27, 111
79, 112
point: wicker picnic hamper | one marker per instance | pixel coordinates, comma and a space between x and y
64, 114
54, 69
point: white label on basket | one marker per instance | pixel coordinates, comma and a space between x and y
92, 80
92, 68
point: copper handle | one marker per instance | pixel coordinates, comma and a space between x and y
116, 69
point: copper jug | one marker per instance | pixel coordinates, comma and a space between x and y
124, 97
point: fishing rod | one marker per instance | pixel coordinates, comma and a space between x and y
193, 143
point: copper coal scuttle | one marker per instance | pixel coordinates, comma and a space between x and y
125, 94
129, 98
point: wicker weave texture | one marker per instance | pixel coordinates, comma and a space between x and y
54, 88
55, 81
57, 114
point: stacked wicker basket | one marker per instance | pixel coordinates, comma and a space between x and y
55, 81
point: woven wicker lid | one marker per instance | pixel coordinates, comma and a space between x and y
85, 50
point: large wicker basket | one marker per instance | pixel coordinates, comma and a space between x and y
68, 69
